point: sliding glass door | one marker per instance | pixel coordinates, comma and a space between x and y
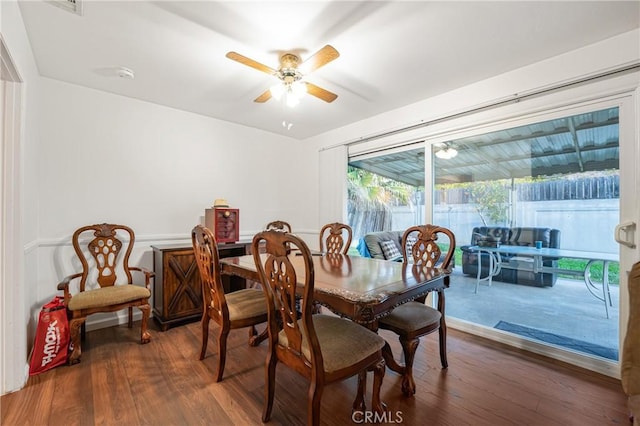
560, 180
552, 183
386, 190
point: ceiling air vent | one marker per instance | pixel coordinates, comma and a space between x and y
73, 6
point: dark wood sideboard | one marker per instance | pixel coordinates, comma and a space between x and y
177, 292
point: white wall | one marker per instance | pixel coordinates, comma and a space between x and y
607, 54
107, 158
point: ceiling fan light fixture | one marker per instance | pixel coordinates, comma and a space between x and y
446, 153
299, 89
277, 90
290, 76
292, 99
292, 91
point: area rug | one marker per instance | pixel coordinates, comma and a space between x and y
556, 339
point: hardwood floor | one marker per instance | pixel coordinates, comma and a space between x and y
122, 382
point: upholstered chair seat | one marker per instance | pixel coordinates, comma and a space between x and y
411, 317
107, 296
246, 303
343, 342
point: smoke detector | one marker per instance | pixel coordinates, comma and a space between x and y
123, 72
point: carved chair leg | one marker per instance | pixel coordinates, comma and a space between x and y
442, 332
359, 404
442, 337
205, 334
314, 398
222, 352
378, 375
409, 348
130, 322
145, 336
255, 340
74, 327
270, 373
390, 360
634, 408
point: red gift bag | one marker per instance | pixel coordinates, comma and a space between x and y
52, 337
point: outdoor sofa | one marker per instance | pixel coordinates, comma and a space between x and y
518, 236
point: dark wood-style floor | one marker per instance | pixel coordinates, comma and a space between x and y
122, 382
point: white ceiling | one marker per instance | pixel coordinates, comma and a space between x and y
391, 53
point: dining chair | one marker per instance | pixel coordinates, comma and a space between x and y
415, 319
99, 288
332, 238
321, 348
278, 225
238, 309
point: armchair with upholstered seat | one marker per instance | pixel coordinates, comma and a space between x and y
238, 309
415, 319
321, 348
101, 261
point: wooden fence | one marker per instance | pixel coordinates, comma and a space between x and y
584, 188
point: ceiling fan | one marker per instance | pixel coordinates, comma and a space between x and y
291, 74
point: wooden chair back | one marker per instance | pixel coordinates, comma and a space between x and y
205, 250
103, 253
280, 278
278, 225
420, 242
332, 238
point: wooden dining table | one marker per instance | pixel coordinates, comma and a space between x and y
359, 288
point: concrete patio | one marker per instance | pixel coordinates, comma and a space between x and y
567, 309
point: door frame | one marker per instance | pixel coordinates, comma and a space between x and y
13, 345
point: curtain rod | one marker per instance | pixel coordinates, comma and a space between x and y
515, 98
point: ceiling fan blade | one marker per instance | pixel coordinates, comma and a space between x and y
264, 97
250, 62
320, 58
320, 93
